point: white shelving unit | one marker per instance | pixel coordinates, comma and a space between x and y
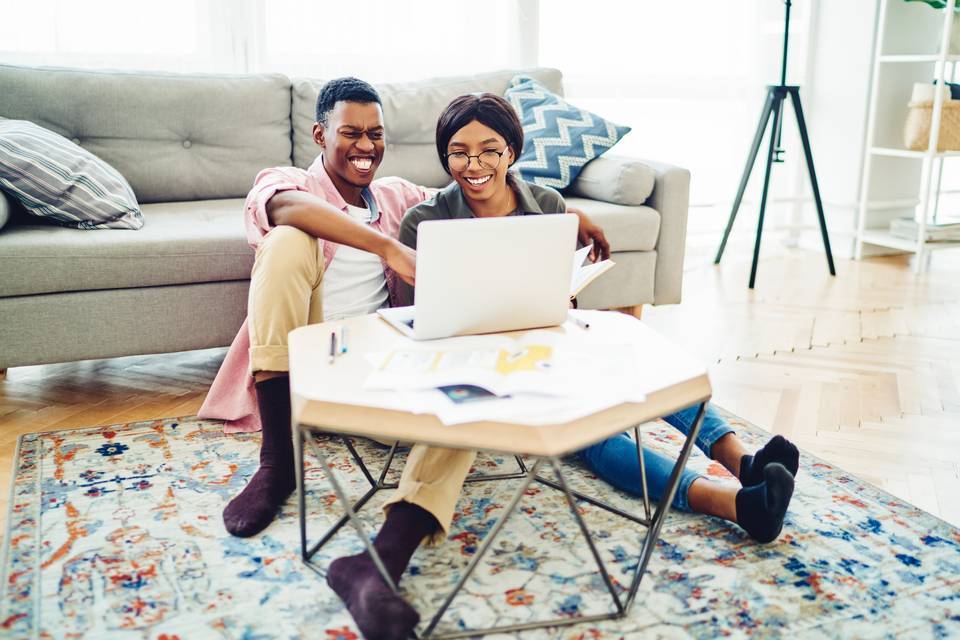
893, 185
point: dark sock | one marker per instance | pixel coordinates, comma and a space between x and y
777, 449
377, 610
761, 508
256, 506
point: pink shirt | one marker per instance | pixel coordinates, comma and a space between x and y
232, 396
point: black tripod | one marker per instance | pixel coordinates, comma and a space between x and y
776, 96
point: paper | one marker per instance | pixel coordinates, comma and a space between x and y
545, 377
496, 363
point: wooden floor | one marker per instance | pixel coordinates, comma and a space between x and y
862, 369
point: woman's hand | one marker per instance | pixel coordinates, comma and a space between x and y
588, 233
403, 260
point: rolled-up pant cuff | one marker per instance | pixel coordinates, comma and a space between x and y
432, 479
421, 496
269, 358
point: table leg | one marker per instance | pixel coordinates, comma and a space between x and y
359, 460
643, 473
359, 504
351, 515
663, 506
301, 493
386, 467
332, 531
501, 476
376, 485
596, 502
555, 464
487, 542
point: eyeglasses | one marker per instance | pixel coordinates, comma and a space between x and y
459, 160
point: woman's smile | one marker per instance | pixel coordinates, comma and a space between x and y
478, 183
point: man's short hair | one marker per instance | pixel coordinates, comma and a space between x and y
343, 89
486, 108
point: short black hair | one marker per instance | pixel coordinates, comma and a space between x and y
486, 108
343, 89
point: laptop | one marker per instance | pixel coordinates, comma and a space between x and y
484, 275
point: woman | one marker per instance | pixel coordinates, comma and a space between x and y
478, 138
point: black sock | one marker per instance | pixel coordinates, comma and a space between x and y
761, 508
256, 506
777, 449
378, 612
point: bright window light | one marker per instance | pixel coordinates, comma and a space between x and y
384, 40
688, 77
99, 27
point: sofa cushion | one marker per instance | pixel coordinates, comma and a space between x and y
55, 179
181, 242
615, 179
559, 138
410, 112
172, 136
626, 228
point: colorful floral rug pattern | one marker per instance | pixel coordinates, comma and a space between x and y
115, 532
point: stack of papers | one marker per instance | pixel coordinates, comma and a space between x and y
909, 229
544, 377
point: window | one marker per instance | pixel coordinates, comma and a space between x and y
384, 40
107, 33
688, 78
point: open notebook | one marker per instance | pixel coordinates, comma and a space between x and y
584, 274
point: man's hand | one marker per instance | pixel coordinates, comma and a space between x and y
588, 233
403, 260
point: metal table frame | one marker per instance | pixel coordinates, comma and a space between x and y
306, 434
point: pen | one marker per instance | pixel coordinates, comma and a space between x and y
333, 346
580, 323
343, 339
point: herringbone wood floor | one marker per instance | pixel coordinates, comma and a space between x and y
862, 369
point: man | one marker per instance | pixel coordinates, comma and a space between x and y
326, 249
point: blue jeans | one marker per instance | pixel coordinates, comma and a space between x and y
615, 459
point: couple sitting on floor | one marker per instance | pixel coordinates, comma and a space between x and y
333, 225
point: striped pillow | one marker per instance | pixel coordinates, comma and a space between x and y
559, 138
58, 180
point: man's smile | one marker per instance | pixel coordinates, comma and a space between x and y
362, 163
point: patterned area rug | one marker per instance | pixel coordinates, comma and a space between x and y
115, 532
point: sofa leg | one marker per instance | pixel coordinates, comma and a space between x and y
635, 311
3, 374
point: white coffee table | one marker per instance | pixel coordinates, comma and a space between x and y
330, 399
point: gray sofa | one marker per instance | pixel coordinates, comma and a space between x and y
190, 146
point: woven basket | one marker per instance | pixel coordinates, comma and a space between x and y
916, 132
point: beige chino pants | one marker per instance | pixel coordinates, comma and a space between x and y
286, 292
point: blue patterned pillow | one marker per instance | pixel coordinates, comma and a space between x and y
56, 179
559, 137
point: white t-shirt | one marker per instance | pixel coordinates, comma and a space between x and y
354, 283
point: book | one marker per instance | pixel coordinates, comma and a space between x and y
908, 228
584, 274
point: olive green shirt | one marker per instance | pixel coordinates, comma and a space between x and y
449, 204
